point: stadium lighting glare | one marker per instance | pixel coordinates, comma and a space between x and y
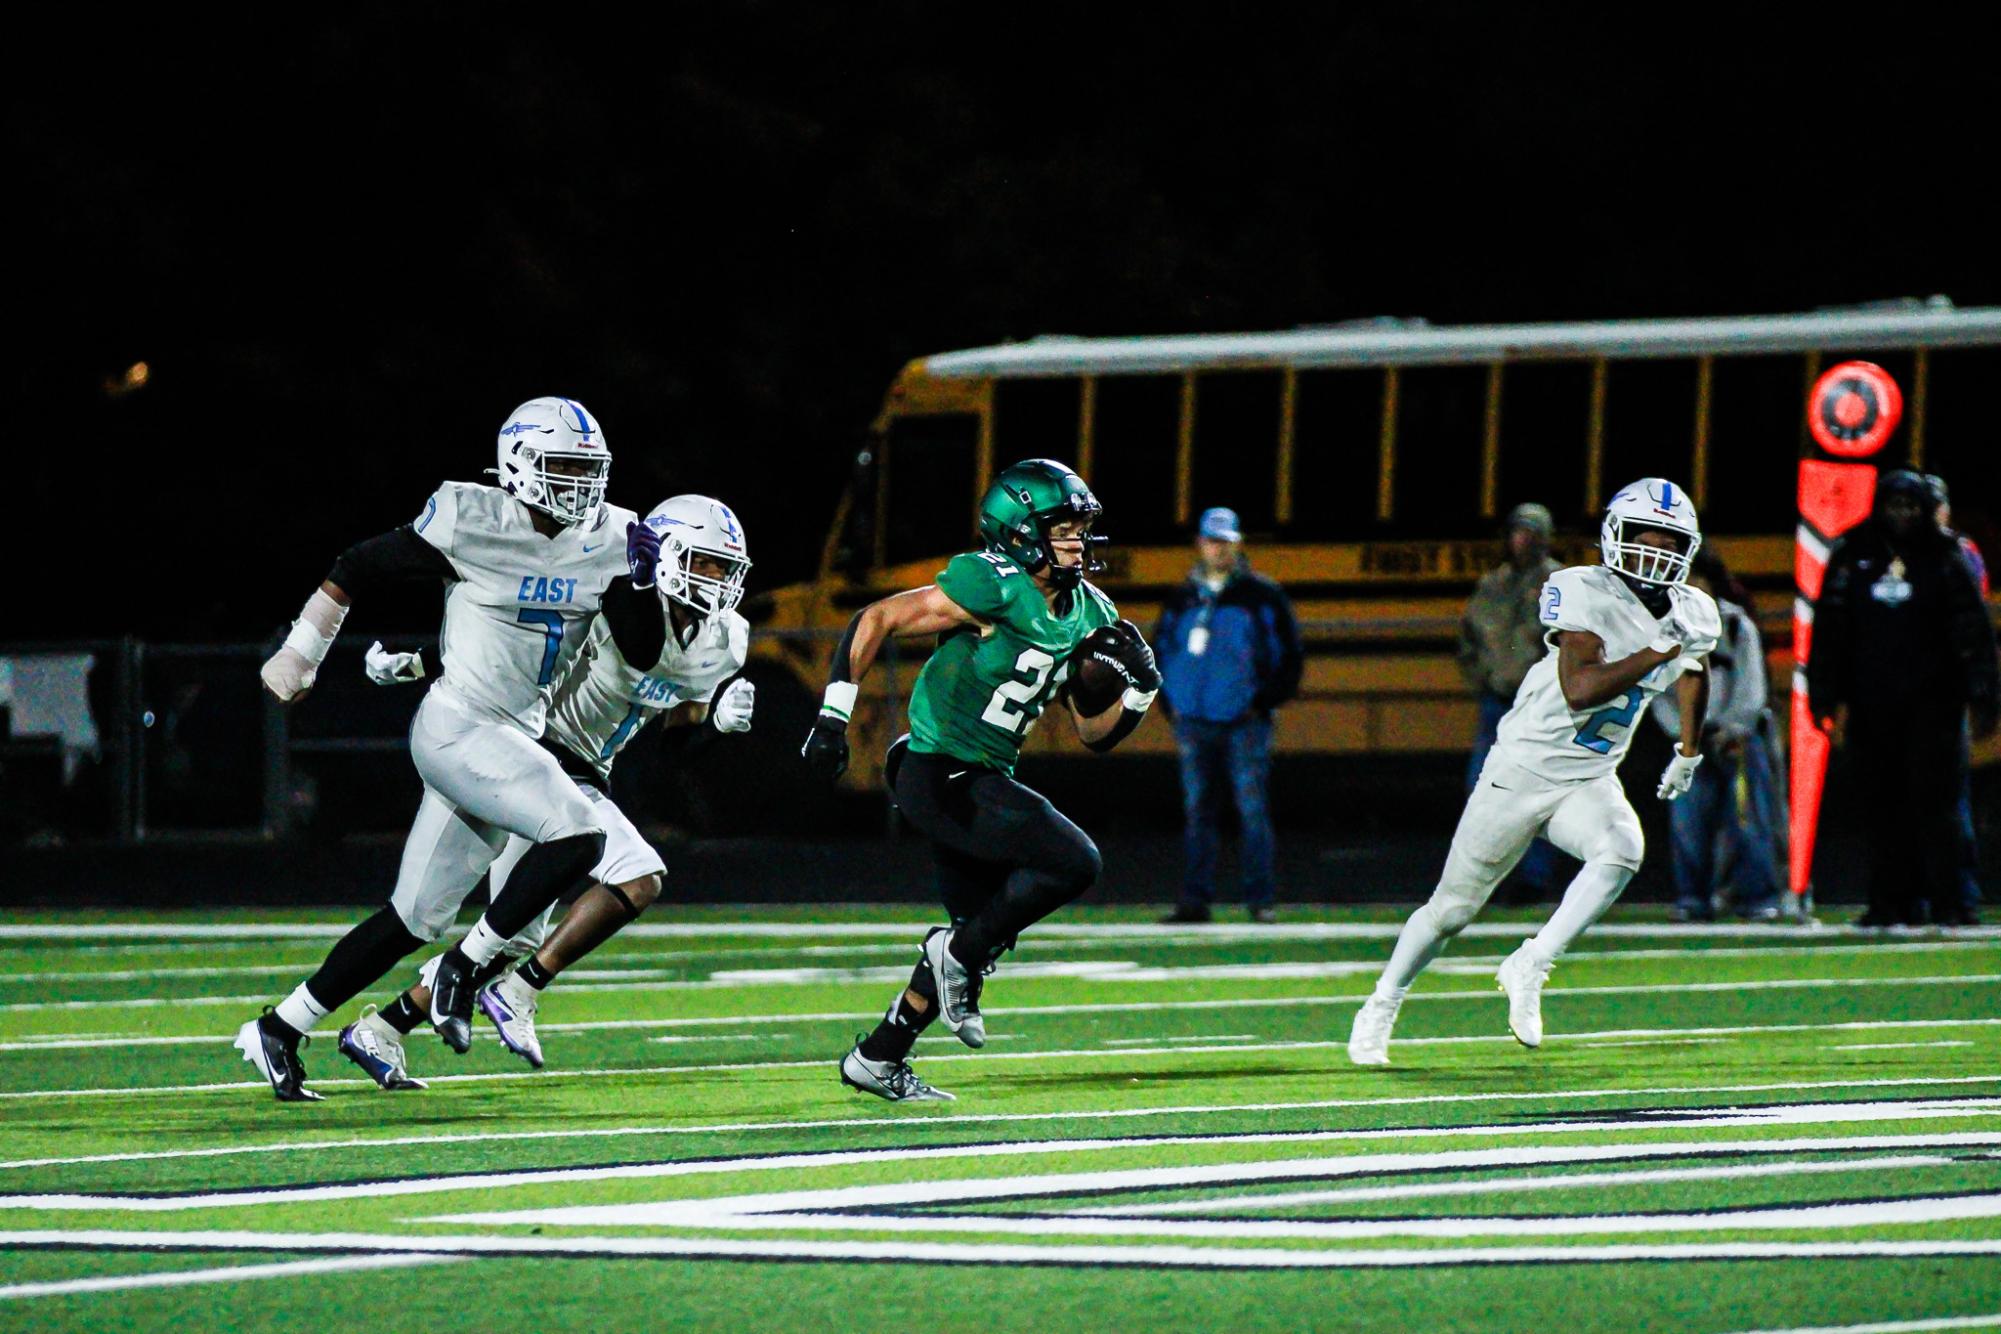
132, 379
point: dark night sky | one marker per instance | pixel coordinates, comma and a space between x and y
347, 247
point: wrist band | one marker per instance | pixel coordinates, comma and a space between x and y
840, 699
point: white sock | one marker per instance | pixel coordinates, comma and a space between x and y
482, 943
300, 1010
1418, 944
1594, 890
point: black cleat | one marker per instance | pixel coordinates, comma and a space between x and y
452, 993
265, 1045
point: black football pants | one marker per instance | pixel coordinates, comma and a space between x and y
1006, 857
1910, 769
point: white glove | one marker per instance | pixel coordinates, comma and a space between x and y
1680, 776
731, 711
388, 669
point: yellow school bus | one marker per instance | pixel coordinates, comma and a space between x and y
1370, 463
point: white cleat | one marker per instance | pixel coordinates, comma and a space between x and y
510, 1004
892, 1081
1522, 976
1369, 1039
378, 1049
958, 989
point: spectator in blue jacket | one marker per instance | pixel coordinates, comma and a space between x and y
1229, 654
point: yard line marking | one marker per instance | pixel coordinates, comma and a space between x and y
988, 1254
225, 1274
1094, 1053
986, 1118
1895, 1326
1503, 1186
797, 977
1742, 1118
662, 963
1219, 933
1887, 1046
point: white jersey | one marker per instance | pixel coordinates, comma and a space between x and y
518, 613
1542, 733
603, 702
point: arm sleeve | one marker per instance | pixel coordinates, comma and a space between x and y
637, 622
393, 557
1290, 659
1121, 729
1972, 634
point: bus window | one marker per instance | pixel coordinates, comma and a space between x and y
1236, 444
1036, 419
1545, 413
930, 510
1442, 415
1335, 429
1132, 467
1755, 421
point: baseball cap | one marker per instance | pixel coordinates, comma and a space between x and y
1536, 518
1221, 524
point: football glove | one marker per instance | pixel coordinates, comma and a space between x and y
388, 669
1680, 776
642, 553
731, 711
826, 748
1124, 649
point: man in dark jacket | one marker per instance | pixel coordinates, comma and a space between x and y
1903, 652
1229, 654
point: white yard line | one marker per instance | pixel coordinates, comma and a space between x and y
737, 982
1097, 1053
1503, 1186
326, 930
226, 1274
1815, 1114
879, 1122
1894, 1046
988, 1253
1896, 1326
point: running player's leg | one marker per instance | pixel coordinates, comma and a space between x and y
1055, 862
1595, 824
1494, 831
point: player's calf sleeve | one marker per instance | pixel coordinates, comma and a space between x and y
549, 871
1031, 894
1596, 888
360, 959
900, 1027
1421, 940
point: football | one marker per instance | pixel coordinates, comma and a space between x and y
1095, 685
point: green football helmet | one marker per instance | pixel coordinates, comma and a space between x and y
1024, 502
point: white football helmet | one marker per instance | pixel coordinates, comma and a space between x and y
553, 458
1651, 502
691, 526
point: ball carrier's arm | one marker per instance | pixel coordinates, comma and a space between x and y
918, 611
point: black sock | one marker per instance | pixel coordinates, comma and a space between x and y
534, 974
897, 1033
361, 957
401, 1014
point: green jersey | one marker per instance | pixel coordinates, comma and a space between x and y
987, 684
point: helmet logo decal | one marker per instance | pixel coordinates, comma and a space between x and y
523, 428
1664, 502
583, 421
730, 530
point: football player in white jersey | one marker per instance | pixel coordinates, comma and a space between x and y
599, 706
1619, 634
527, 565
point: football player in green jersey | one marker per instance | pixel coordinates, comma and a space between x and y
1011, 619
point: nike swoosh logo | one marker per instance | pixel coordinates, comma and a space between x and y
961, 774
598, 547
1498, 788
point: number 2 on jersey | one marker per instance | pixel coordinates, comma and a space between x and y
1031, 673
552, 626
1619, 713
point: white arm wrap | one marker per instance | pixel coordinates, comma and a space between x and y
313, 633
840, 699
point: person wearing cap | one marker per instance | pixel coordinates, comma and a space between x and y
1229, 654
1969, 846
1903, 654
1500, 638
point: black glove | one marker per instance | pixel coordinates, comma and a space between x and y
1123, 648
826, 748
